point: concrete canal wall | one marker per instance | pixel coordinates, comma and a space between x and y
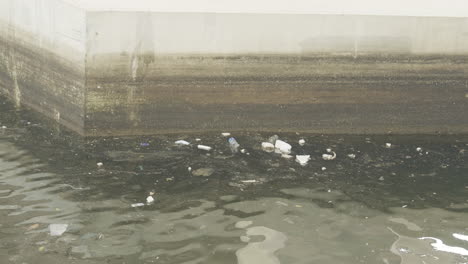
145, 68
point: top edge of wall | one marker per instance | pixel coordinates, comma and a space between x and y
427, 8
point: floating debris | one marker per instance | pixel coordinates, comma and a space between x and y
57, 229
233, 145
182, 143
149, 199
244, 151
302, 159
144, 144
4, 127
324, 168
282, 147
302, 142
137, 205
189, 169
203, 147
329, 156
198, 139
352, 156
388, 145
100, 164
226, 134
268, 147
418, 149
381, 178
249, 181
286, 156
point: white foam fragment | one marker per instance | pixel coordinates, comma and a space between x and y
268, 147
149, 199
282, 147
137, 205
225, 134
302, 159
203, 147
302, 142
329, 156
182, 143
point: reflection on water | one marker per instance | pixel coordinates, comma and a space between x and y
388, 205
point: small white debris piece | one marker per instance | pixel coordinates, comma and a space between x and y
329, 191
100, 164
329, 156
226, 134
198, 139
137, 205
324, 168
203, 147
302, 142
302, 159
268, 147
249, 181
282, 147
4, 127
286, 156
329, 150
404, 206
189, 169
149, 199
418, 149
352, 156
182, 143
381, 178
243, 151
388, 145
57, 229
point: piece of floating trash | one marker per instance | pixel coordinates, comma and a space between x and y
329, 150
249, 181
100, 164
189, 169
225, 134
302, 159
149, 199
182, 143
352, 156
144, 144
286, 156
282, 147
418, 149
57, 229
381, 178
203, 147
198, 139
324, 168
302, 142
388, 145
243, 151
268, 147
4, 127
233, 145
329, 156
137, 205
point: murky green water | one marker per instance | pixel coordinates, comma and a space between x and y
387, 205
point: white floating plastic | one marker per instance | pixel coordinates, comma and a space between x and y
182, 143
203, 147
282, 147
302, 159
